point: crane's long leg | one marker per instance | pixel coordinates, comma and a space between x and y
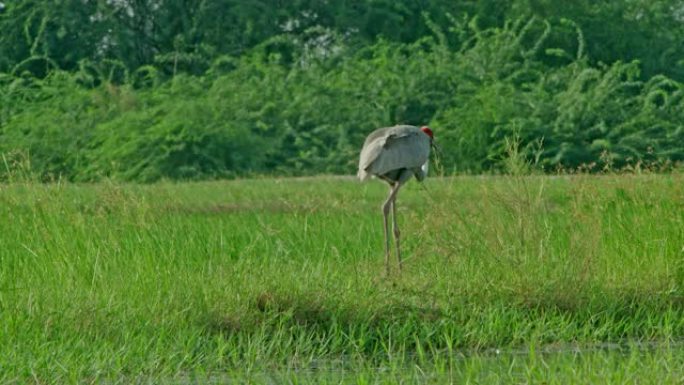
385, 213
403, 178
395, 227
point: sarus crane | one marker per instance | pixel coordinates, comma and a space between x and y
394, 155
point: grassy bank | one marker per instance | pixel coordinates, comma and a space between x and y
116, 282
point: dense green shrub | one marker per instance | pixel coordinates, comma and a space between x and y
290, 107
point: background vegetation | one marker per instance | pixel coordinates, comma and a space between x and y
143, 90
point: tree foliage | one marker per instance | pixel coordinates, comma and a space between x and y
184, 89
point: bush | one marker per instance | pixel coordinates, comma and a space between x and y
291, 108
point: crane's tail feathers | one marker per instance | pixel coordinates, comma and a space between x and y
363, 175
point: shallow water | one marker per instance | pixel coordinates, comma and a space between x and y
642, 362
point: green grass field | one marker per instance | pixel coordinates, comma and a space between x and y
570, 278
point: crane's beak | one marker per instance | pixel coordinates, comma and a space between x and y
438, 149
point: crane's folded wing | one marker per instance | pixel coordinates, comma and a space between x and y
406, 150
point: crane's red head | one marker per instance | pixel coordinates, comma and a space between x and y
427, 131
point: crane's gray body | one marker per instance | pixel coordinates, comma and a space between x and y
388, 151
395, 154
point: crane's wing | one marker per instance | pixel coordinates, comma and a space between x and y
393, 148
